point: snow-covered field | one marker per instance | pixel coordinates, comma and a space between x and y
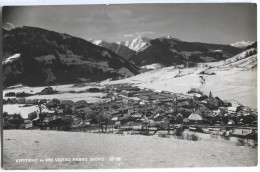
60, 88
128, 151
21, 109
152, 66
63, 95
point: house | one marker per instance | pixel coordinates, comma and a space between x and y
158, 119
52, 104
85, 110
195, 119
163, 101
137, 115
48, 90
28, 124
203, 97
21, 101
115, 118
231, 110
179, 118
67, 103
80, 104
185, 121
127, 93
32, 115
126, 117
214, 102
231, 122
117, 124
226, 104
94, 90
128, 88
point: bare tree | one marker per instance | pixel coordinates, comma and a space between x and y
41, 117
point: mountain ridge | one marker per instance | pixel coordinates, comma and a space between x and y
172, 51
49, 57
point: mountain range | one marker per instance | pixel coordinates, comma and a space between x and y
170, 51
35, 56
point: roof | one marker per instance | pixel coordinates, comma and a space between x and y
137, 115
179, 115
232, 109
195, 116
114, 118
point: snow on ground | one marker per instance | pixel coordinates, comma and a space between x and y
132, 151
89, 97
227, 83
152, 66
23, 111
242, 44
60, 88
229, 61
11, 59
235, 85
64, 95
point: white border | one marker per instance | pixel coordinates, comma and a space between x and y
77, 2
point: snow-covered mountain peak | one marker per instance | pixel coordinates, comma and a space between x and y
137, 43
242, 44
96, 42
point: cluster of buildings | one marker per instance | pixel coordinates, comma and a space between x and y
125, 104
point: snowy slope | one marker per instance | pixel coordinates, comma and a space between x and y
246, 59
152, 66
11, 59
233, 80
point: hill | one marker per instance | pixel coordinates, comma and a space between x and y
45, 57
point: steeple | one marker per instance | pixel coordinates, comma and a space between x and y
210, 95
175, 105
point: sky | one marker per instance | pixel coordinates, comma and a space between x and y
211, 23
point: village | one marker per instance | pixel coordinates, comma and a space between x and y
139, 110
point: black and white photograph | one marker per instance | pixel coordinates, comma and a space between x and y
125, 86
